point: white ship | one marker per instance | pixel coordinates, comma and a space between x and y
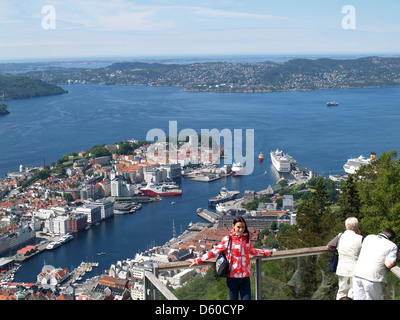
280, 161
353, 164
152, 190
53, 245
238, 169
66, 238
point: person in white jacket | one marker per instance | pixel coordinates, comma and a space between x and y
378, 253
348, 245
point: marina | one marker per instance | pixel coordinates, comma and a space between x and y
77, 274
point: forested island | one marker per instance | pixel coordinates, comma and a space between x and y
292, 75
22, 87
3, 110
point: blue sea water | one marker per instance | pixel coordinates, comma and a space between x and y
320, 138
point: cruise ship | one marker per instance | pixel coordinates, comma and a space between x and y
280, 161
155, 190
353, 164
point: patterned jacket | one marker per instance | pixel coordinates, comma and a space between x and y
239, 259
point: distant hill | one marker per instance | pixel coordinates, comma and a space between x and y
292, 75
21, 87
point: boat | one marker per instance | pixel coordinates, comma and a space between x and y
332, 104
238, 169
53, 245
353, 164
280, 161
156, 190
220, 208
260, 157
100, 253
168, 185
66, 238
223, 196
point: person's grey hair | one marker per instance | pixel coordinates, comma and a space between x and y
351, 223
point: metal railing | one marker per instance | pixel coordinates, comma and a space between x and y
153, 285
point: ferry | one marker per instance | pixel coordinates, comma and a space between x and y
353, 164
223, 196
238, 169
53, 245
332, 104
260, 157
156, 190
280, 161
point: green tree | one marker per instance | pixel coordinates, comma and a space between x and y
349, 200
379, 191
314, 222
314, 228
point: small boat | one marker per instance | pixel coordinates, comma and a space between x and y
260, 157
100, 253
332, 104
53, 245
66, 238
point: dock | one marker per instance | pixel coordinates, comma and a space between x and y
206, 178
208, 215
79, 272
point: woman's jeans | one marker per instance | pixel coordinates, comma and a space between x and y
236, 285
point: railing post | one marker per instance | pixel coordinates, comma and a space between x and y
155, 272
257, 277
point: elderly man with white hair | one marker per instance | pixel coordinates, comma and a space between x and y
348, 245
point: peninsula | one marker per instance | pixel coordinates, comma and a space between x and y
292, 75
22, 87
3, 110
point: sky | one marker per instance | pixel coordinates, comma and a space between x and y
42, 29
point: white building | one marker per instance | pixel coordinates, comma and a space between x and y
57, 225
137, 292
93, 212
106, 208
120, 188
52, 276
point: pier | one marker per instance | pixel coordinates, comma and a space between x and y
208, 215
79, 272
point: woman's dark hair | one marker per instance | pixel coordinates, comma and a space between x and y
246, 231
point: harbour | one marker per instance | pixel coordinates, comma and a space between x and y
124, 235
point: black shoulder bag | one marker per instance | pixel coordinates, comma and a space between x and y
222, 263
335, 257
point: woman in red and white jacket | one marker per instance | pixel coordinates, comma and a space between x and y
239, 261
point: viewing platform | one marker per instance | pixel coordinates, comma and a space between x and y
154, 286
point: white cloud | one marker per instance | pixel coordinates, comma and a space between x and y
217, 13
